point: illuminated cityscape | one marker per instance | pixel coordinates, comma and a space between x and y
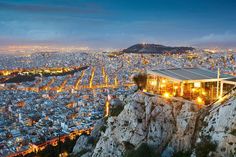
117, 78
58, 99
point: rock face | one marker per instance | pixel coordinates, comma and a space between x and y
220, 130
151, 120
85, 144
167, 127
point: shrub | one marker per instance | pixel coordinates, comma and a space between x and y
140, 80
91, 140
182, 154
128, 145
142, 151
82, 152
233, 132
103, 128
205, 147
116, 110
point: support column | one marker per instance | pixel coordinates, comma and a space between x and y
221, 89
218, 82
181, 89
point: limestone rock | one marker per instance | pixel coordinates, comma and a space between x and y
82, 144
150, 120
167, 126
221, 128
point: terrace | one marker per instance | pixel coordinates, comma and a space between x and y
202, 86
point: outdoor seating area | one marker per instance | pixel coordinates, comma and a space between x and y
202, 86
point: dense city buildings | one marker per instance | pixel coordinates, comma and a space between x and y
68, 92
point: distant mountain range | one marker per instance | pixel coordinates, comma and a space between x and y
156, 49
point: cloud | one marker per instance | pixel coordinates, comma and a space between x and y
83, 8
226, 39
218, 37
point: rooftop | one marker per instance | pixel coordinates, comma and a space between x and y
190, 74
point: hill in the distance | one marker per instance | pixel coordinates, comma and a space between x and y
156, 49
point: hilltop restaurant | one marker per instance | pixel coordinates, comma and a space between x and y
199, 85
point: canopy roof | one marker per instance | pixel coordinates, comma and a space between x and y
189, 74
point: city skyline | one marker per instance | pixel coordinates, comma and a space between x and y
117, 24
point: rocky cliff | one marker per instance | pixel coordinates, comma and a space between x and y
154, 126
218, 133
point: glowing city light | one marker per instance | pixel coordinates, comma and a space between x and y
176, 87
166, 95
163, 81
162, 85
204, 93
107, 108
116, 81
200, 101
106, 80
144, 90
91, 78
78, 81
64, 154
153, 82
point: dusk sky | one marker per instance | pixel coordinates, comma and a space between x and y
117, 23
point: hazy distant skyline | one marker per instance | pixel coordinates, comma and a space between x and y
118, 23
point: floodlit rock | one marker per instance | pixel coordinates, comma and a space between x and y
127, 127
96, 132
115, 102
138, 97
167, 127
144, 119
85, 144
220, 129
82, 145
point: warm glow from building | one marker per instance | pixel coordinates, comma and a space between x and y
162, 85
153, 82
176, 87
220, 99
200, 101
34, 148
194, 84
54, 142
193, 89
64, 154
166, 95
204, 93
5, 73
197, 84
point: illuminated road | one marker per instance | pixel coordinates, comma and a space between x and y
54, 142
36, 87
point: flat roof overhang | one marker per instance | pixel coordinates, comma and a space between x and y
230, 81
190, 75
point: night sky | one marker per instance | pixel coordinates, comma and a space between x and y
118, 23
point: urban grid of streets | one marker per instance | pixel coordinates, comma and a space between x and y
73, 102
